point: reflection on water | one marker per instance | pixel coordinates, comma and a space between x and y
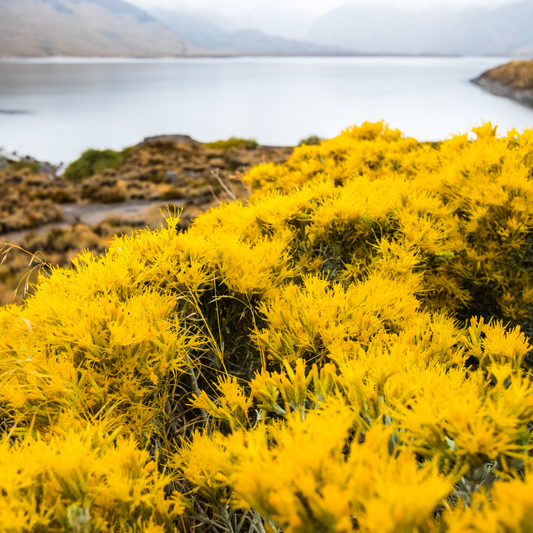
55, 109
13, 112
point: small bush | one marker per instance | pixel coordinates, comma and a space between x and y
93, 162
234, 142
103, 194
127, 152
32, 166
172, 194
59, 196
313, 140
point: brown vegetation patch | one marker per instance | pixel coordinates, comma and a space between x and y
170, 169
518, 74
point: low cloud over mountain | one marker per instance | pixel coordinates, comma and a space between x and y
468, 31
116, 28
206, 34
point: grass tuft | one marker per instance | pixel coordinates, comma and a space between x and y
234, 142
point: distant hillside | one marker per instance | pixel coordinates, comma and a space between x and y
83, 28
506, 30
205, 34
513, 80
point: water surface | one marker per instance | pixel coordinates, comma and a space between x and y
54, 109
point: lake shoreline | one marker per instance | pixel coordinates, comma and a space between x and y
522, 96
513, 80
55, 108
224, 55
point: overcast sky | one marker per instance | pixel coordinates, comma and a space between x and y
315, 7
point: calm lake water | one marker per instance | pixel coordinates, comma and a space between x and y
55, 109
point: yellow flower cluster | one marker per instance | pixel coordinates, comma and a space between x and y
343, 353
83, 480
462, 207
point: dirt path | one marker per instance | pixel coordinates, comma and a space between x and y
89, 214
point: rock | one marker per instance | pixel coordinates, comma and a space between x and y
43, 167
168, 139
170, 176
522, 96
513, 80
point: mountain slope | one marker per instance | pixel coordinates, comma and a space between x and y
206, 35
83, 28
469, 31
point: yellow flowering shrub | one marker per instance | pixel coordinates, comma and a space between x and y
308, 475
509, 508
83, 480
345, 352
465, 207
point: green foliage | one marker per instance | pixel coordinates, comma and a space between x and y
93, 162
32, 166
312, 140
126, 152
234, 142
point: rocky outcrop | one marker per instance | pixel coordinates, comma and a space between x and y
168, 139
513, 80
10, 159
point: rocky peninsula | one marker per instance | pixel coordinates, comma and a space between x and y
513, 80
